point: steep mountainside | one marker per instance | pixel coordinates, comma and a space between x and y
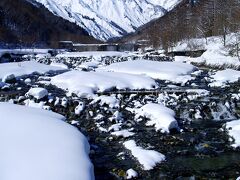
22, 22
105, 19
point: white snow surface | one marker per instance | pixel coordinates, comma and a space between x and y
171, 71
38, 144
87, 83
37, 93
220, 78
106, 19
160, 116
234, 131
147, 158
26, 68
61, 65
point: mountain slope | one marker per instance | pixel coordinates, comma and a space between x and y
105, 19
190, 19
22, 22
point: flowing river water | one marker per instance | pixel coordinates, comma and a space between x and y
199, 150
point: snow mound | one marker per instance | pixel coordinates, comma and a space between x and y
147, 158
88, 83
171, 71
221, 78
234, 131
38, 144
25, 68
160, 116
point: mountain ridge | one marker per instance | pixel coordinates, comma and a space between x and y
109, 19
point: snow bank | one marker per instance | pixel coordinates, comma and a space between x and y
147, 158
87, 83
216, 53
38, 144
26, 68
92, 54
160, 116
172, 71
216, 58
221, 78
234, 131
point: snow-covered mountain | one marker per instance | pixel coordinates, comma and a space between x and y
106, 19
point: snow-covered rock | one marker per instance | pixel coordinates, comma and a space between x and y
2, 84
38, 144
25, 68
9, 78
33, 104
79, 108
28, 81
106, 19
123, 133
221, 78
234, 131
38, 93
87, 83
171, 71
160, 116
111, 101
131, 173
147, 158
